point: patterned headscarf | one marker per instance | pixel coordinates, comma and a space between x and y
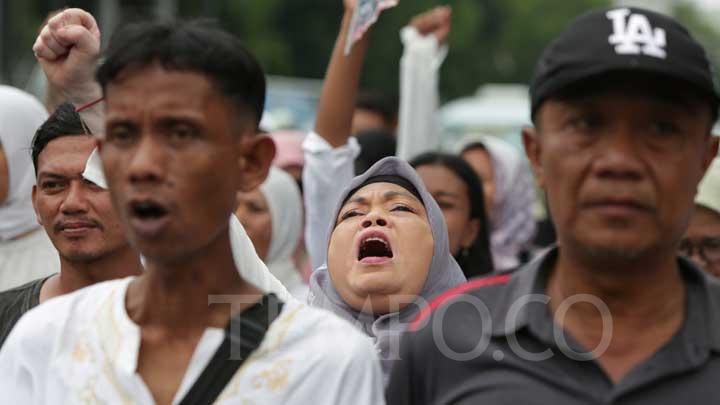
513, 224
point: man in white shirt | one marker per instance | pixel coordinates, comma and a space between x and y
182, 105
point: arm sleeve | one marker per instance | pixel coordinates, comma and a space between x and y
16, 380
327, 171
418, 126
362, 382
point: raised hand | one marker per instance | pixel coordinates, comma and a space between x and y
435, 21
68, 49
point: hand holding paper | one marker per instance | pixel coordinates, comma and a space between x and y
365, 14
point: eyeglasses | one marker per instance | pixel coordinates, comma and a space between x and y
707, 248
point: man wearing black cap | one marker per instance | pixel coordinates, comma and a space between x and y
623, 103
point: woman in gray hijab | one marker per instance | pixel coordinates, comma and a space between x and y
388, 255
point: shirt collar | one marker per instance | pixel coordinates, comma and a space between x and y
703, 313
523, 306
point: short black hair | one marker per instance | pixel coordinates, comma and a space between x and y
65, 121
198, 46
380, 103
478, 260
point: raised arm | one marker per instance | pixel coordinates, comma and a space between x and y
342, 79
330, 151
68, 49
424, 52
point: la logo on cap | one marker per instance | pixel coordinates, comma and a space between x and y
633, 35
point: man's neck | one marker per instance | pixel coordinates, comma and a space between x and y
178, 295
630, 289
644, 301
75, 275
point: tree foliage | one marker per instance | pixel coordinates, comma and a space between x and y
491, 40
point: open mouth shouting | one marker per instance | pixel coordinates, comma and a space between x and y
374, 248
148, 217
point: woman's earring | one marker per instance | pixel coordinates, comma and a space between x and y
465, 252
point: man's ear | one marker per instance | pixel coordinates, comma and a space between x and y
533, 151
711, 151
257, 152
34, 202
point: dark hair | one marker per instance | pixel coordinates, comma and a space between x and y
65, 121
196, 46
478, 260
375, 144
384, 105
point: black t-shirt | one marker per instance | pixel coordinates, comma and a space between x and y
15, 302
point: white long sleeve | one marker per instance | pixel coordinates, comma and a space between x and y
418, 126
326, 172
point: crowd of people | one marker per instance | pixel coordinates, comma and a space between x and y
159, 246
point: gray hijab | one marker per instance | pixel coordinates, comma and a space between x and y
444, 272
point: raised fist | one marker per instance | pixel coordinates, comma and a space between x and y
68, 49
435, 21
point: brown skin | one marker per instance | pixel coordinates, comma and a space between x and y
171, 148
451, 194
4, 176
620, 171
704, 224
253, 212
387, 287
79, 218
481, 162
337, 98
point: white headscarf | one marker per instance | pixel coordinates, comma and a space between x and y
513, 223
20, 116
285, 202
252, 269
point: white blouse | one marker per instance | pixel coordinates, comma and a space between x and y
83, 348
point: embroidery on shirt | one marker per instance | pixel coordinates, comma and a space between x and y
275, 377
280, 329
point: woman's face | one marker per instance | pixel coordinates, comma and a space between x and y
381, 249
451, 194
481, 162
254, 214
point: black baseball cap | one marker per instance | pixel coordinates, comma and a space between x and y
622, 39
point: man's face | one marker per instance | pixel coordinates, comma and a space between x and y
703, 233
175, 152
77, 214
621, 168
